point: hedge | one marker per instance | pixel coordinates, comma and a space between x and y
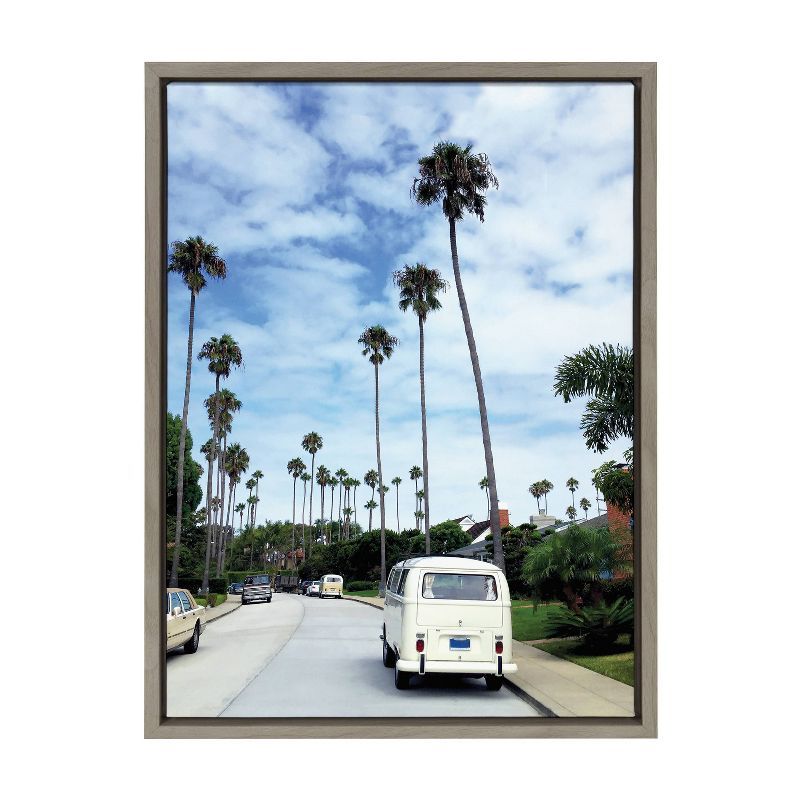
238, 576
360, 586
193, 584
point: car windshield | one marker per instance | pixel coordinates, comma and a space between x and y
257, 580
449, 586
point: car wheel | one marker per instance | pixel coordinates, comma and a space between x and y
493, 682
388, 654
193, 643
402, 680
244, 602
269, 600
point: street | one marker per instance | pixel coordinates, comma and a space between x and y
305, 657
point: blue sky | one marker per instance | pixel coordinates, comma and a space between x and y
305, 190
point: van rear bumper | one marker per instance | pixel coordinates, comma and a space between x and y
456, 667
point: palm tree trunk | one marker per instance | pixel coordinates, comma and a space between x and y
380, 485
322, 511
221, 481
311, 506
173, 581
370, 510
229, 519
397, 503
355, 505
487, 502
294, 500
494, 511
303, 524
210, 484
424, 434
416, 504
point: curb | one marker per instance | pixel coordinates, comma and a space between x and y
236, 607
507, 682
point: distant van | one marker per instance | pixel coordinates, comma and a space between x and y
447, 615
331, 586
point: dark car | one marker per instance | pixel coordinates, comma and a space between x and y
236, 588
303, 587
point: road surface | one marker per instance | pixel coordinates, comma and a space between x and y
305, 657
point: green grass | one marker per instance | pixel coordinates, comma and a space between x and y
617, 665
528, 623
220, 598
364, 593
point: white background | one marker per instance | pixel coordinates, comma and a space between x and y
72, 315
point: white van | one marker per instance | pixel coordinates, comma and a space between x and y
447, 615
331, 586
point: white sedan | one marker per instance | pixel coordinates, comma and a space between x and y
313, 589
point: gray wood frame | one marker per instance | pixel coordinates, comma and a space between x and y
643, 77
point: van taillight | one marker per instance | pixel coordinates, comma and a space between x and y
498, 647
420, 645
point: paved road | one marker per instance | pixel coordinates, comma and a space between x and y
304, 657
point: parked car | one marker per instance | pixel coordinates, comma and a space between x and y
303, 586
447, 615
313, 589
257, 588
331, 586
235, 588
185, 620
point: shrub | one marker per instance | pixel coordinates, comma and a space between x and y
614, 588
360, 586
598, 626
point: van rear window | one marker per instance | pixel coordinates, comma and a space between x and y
447, 586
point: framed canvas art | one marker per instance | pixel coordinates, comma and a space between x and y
400, 400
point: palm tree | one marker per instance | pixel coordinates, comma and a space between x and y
323, 475
237, 462
572, 485
415, 473
378, 344
222, 354
419, 286
546, 487
333, 483
585, 506
571, 513
397, 481
484, 484
251, 502
257, 476
193, 259
459, 179
341, 475
250, 485
240, 509
536, 490
295, 468
370, 506
356, 484
420, 498
347, 512
312, 443
305, 477
371, 479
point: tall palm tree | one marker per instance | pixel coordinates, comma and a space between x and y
257, 476
371, 479
572, 485
250, 485
240, 507
536, 490
222, 355
312, 443
356, 484
333, 483
347, 512
415, 473
571, 513
236, 463
305, 477
397, 481
484, 484
378, 345
585, 506
546, 488
323, 476
295, 468
419, 286
341, 475
193, 259
459, 179
370, 506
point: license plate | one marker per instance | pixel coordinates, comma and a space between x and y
459, 644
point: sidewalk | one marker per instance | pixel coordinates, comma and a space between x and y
558, 686
233, 602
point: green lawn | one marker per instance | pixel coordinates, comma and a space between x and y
364, 593
220, 598
528, 623
618, 665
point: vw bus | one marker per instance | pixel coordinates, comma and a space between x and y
331, 586
447, 615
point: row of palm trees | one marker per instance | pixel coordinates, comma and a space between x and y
540, 489
196, 261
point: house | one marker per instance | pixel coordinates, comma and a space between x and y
479, 531
465, 522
